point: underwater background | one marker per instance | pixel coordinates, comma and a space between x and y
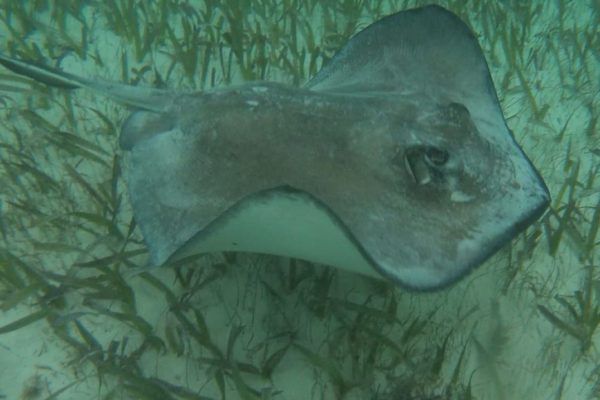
76, 323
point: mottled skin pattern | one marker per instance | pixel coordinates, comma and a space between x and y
412, 82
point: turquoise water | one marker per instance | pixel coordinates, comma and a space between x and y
80, 321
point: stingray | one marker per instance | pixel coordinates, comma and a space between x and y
394, 161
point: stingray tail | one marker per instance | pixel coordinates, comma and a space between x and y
47, 75
145, 98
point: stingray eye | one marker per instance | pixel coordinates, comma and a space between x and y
434, 156
424, 163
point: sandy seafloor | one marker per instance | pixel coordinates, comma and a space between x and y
494, 336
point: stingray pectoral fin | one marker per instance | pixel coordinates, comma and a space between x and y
283, 222
150, 99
